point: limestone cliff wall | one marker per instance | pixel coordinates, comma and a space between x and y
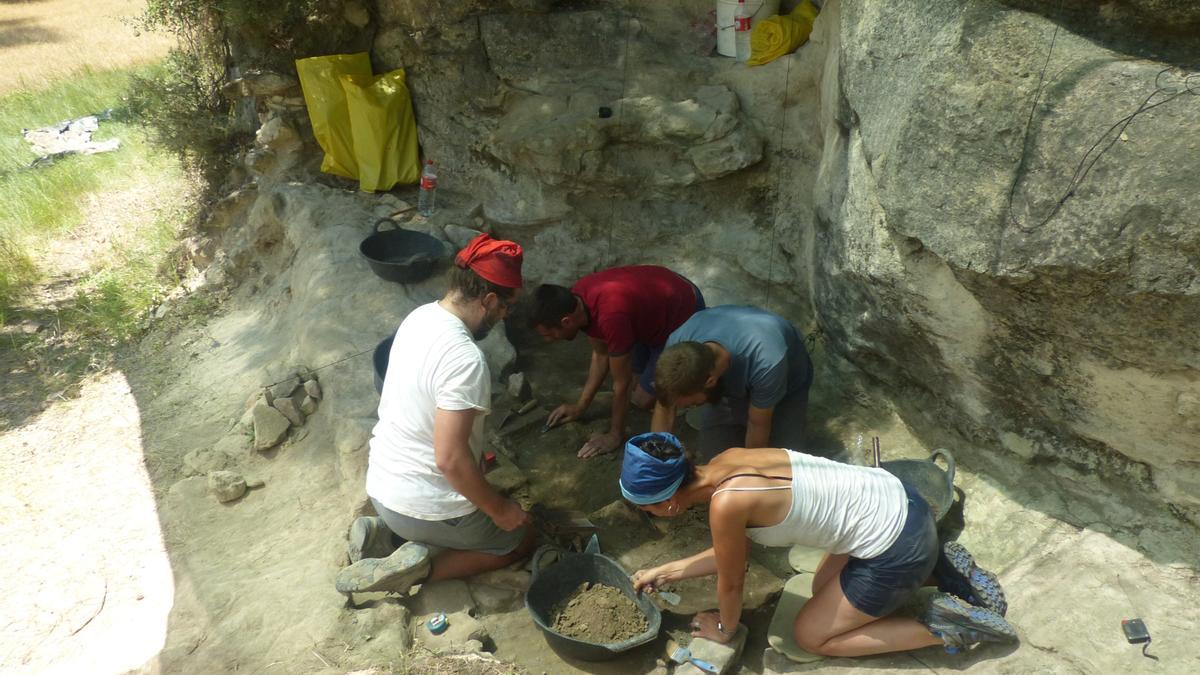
946, 191
1025, 274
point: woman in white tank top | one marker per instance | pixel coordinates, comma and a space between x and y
880, 538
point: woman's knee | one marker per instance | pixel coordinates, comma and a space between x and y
811, 638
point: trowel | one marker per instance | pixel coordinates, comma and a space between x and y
564, 523
683, 655
668, 597
517, 412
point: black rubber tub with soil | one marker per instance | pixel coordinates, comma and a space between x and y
554, 586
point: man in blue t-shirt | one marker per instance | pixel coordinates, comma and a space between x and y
749, 369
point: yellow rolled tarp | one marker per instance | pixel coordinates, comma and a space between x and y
363, 122
383, 130
320, 80
779, 35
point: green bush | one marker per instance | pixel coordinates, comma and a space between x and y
182, 103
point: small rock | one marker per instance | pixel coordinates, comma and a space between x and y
313, 389
30, 326
254, 483
235, 445
724, 656
518, 387
309, 405
493, 599
262, 83
448, 596
775, 663
247, 419
203, 460
462, 629
355, 14
283, 389
398, 205
290, 410
270, 426
507, 479
226, 486
267, 397
460, 236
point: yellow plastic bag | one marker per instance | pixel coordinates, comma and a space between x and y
779, 35
326, 101
384, 130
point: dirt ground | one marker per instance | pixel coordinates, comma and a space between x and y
123, 563
599, 614
41, 40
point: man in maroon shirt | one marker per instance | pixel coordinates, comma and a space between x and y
628, 313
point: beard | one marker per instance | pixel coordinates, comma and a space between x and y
484, 328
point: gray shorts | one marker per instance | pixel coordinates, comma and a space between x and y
472, 532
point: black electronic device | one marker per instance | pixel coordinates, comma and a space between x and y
1137, 634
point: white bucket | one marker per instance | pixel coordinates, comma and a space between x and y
727, 10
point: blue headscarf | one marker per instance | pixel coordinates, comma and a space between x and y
646, 479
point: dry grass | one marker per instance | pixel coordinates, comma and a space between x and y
45, 40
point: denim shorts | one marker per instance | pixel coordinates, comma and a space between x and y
879, 585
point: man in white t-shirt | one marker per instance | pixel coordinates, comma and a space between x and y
424, 472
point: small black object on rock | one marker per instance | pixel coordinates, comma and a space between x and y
605, 112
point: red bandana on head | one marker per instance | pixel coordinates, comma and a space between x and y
496, 260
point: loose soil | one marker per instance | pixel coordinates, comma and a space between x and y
659, 449
600, 614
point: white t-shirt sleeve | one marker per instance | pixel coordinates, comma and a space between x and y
463, 382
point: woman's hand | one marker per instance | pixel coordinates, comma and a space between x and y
705, 625
652, 579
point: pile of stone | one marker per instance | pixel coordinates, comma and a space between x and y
282, 406
269, 416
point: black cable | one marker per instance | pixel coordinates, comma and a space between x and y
1037, 95
1085, 166
778, 181
612, 219
1145, 646
320, 368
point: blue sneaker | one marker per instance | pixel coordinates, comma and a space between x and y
957, 574
961, 625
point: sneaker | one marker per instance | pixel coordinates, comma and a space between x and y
957, 574
960, 625
370, 538
408, 565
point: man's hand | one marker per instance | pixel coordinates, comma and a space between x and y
599, 444
567, 412
511, 516
705, 625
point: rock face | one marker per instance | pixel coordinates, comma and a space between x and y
1029, 282
1019, 275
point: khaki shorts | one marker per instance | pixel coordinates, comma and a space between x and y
472, 532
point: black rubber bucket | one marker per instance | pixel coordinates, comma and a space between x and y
928, 479
403, 256
380, 360
554, 584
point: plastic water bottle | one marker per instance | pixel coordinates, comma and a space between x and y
741, 31
426, 198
